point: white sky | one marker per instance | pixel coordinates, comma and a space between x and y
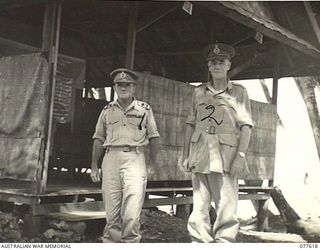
296, 150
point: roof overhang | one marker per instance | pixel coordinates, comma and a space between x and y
239, 12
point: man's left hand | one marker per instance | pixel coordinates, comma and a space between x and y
238, 166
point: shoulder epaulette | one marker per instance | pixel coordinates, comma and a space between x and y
238, 85
202, 85
109, 105
143, 104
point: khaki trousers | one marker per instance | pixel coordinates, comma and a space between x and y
123, 188
220, 191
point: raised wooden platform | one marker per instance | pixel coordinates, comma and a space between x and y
66, 201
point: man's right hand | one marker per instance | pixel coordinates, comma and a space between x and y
95, 174
186, 165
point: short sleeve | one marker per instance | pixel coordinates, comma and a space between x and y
100, 131
244, 116
152, 130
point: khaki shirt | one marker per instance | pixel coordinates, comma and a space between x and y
217, 118
133, 126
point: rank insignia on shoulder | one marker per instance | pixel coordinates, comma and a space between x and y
109, 105
144, 105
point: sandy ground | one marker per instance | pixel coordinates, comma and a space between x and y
160, 227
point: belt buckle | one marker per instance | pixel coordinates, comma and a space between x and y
211, 130
127, 149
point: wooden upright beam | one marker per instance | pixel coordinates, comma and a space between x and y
50, 47
313, 20
132, 32
275, 80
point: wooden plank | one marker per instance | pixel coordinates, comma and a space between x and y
254, 196
71, 192
177, 189
75, 207
78, 216
255, 188
168, 201
24, 199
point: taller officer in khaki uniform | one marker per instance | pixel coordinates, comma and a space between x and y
217, 136
124, 127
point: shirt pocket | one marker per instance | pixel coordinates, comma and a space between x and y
202, 111
113, 129
137, 127
194, 149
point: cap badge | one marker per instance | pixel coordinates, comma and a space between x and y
216, 49
123, 75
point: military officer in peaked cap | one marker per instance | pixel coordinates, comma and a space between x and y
124, 127
217, 136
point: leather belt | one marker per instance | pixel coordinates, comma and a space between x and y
216, 130
136, 149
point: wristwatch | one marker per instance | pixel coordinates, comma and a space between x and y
242, 154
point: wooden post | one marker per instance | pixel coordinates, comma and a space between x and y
262, 216
313, 20
263, 204
275, 81
275, 92
112, 95
132, 32
184, 211
50, 47
32, 225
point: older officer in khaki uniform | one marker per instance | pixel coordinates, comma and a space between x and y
217, 136
124, 127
